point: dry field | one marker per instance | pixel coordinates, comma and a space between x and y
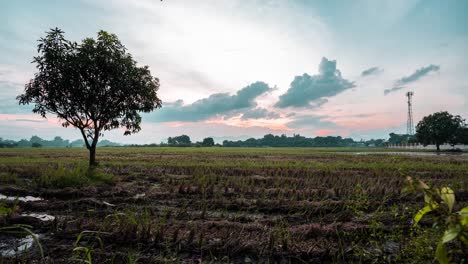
220, 205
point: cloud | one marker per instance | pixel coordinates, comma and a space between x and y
30, 120
307, 121
418, 74
309, 91
257, 113
214, 105
8, 102
371, 71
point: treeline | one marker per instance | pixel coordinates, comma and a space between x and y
184, 141
270, 141
57, 142
300, 141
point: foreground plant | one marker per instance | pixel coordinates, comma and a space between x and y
83, 253
440, 202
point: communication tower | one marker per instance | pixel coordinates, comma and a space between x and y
409, 123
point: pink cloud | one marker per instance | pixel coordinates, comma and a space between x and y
376, 121
325, 132
32, 120
273, 124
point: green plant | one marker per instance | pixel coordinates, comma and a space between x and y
9, 178
90, 245
9, 210
81, 175
441, 201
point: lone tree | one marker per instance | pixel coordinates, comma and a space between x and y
439, 128
94, 86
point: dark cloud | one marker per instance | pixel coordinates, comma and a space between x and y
309, 91
259, 113
215, 104
371, 71
418, 74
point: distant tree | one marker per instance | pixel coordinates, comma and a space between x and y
36, 139
182, 140
36, 145
400, 138
107, 143
296, 140
439, 128
208, 142
58, 142
94, 86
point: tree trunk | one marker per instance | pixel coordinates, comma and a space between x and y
92, 156
438, 147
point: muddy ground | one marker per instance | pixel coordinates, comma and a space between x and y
225, 206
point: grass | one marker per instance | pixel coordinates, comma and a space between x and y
61, 177
229, 204
9, 178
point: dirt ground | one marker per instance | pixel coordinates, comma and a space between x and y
224, 206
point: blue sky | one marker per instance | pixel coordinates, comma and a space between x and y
232, 68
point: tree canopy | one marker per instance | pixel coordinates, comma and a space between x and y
440, 128
182, 140
208, 142
94, 86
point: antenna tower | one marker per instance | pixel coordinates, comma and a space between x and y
409, 123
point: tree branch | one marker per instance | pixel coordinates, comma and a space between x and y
85, 138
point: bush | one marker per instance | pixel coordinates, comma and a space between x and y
78, 176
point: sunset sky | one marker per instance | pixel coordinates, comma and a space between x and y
237, 69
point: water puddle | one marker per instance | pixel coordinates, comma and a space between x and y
20, 198
140, 195
11, 247
108, 204
410, 153
40, 216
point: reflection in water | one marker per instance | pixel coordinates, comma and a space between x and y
40, 216
20, 198
15, 246
411, 153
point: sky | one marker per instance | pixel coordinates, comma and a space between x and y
234, 69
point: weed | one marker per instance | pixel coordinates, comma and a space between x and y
9, 178
83, 253
81, 175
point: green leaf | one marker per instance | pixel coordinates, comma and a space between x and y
441, 254
427, 199
428, 208
451, 233
464, 216
448, 196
